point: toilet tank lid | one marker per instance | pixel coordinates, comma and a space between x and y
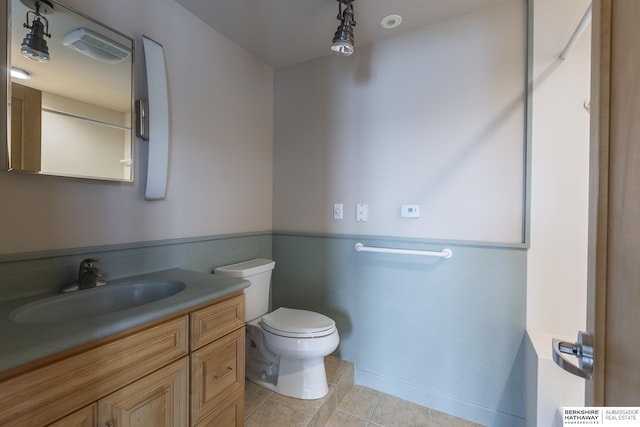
246, 268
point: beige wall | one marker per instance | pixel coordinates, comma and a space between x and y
433, 117
220, 176
62, 155
557, 260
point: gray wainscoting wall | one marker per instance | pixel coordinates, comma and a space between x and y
444, 333
42, 272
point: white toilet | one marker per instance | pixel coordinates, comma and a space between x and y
285, 349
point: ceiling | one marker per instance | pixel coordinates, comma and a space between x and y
69, 73
286, 32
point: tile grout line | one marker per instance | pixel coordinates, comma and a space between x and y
246, 416
369, 421
326, 402
334, 390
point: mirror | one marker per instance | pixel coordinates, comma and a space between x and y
73, 115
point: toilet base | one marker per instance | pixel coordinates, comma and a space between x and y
298, 378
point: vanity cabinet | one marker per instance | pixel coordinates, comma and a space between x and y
85, 417
217, 364
158, 399
153, 376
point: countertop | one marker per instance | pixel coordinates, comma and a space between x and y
24, 342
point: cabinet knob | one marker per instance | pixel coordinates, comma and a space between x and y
108, 424
224, 374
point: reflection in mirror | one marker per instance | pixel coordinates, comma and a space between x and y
71, 114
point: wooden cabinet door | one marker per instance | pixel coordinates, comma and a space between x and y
217, 373
159, 400
85, 417
230, 413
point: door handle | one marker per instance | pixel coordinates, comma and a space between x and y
582, 349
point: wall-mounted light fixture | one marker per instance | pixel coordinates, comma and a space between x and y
34, 46
158, 129
343, 39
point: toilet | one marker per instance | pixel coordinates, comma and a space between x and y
285, 349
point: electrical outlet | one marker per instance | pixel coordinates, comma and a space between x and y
362, 212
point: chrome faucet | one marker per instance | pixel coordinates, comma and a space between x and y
88, 277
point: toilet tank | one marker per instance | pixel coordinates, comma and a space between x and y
258, 272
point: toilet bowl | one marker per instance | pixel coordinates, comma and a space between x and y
285, 348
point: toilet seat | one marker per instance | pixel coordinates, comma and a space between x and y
292, 323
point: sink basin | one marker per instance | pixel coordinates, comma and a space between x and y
97, 301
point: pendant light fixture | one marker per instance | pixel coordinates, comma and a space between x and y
34, 46
343, 38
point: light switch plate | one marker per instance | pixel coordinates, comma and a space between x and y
338, 211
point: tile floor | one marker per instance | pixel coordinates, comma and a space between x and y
346, 405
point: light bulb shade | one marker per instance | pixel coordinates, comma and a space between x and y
342, 48
343, 40
34, 46
18, 73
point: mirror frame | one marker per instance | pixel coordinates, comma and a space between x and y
4, 88
5, 94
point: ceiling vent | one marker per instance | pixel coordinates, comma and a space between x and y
96, 45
